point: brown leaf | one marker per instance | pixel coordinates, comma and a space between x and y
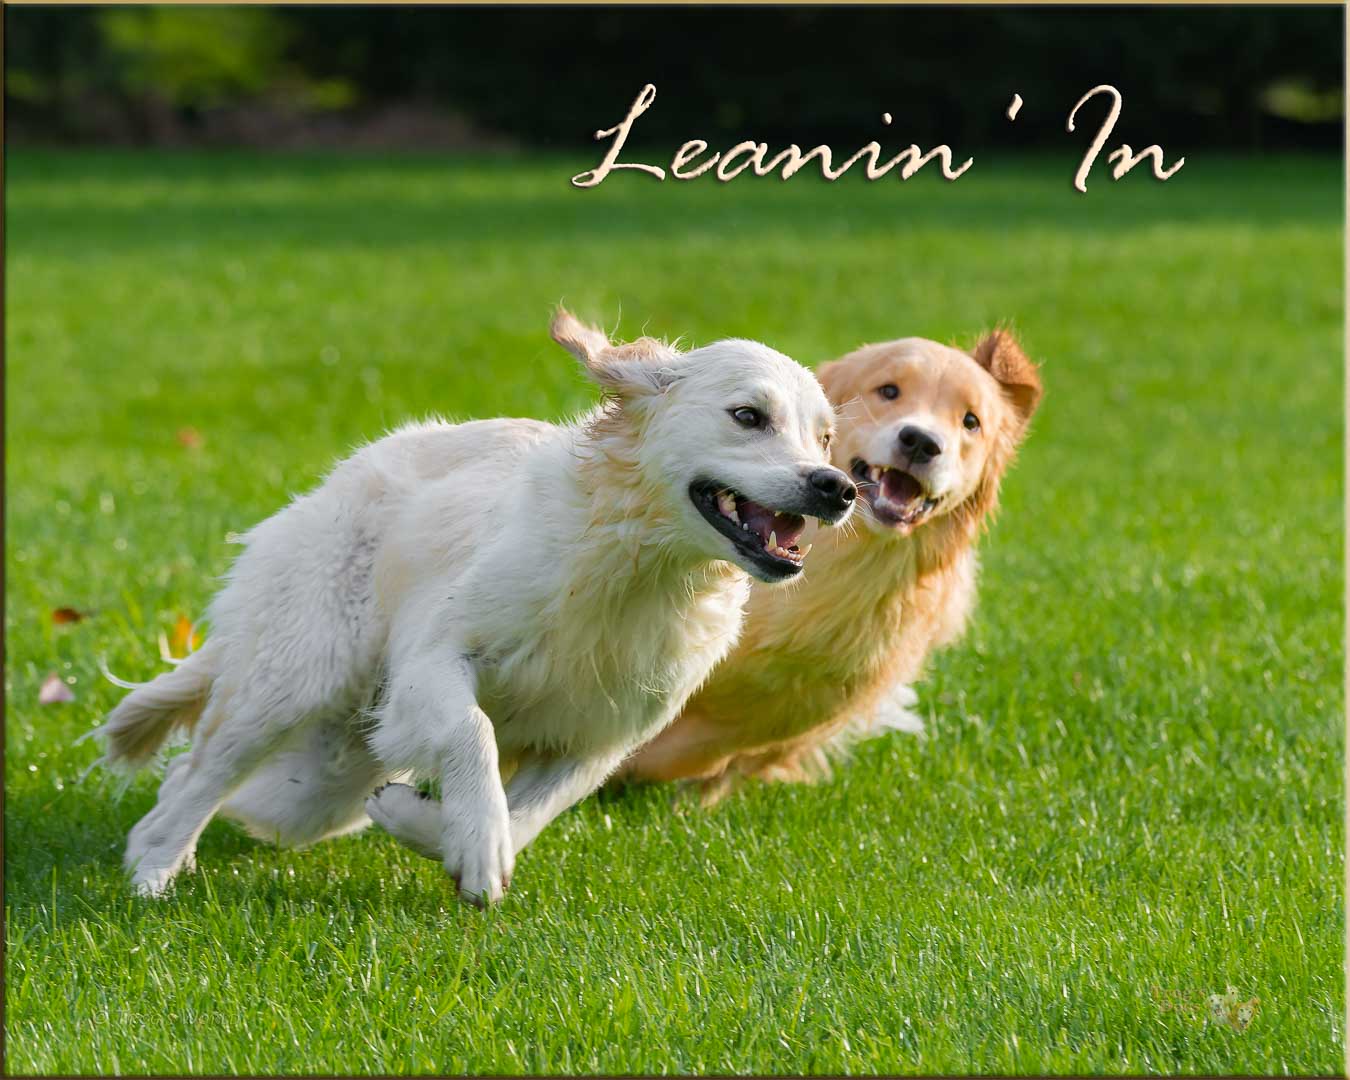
66, 615
190, 437
184, 639
54, 691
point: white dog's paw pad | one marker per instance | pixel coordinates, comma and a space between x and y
411, 818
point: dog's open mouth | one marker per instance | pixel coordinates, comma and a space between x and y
767, 538
894, 496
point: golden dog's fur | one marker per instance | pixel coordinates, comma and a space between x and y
815, 661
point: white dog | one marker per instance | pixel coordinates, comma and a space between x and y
499, 597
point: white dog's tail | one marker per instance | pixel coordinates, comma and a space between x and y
144, 719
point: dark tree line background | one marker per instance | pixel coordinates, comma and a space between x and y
1246, 78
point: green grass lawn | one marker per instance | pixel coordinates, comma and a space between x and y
1132, 784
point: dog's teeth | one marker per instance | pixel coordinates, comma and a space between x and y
805, 551
726, 503
876, 473
773, 540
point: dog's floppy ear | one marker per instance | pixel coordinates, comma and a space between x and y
644, 366
1000, 355
582, 341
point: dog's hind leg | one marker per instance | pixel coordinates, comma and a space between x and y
410, 817
313, 788
163, 842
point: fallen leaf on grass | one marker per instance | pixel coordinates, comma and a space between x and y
66, 615
54, 691
190, 437
183, 641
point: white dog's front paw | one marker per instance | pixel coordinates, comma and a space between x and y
411, 818
152, 882
479, 856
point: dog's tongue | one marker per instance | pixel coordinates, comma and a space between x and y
763, 521
899, 487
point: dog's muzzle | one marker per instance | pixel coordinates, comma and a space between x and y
831, 495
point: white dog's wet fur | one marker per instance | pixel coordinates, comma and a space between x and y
488, 599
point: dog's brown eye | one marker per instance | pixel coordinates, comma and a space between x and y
826, 439
890, 391
748, 417
972, 422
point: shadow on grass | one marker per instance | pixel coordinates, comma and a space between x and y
67, 847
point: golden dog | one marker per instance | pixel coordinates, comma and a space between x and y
927, 432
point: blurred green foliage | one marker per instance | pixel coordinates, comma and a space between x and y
1199, 76
197, 57
73, 74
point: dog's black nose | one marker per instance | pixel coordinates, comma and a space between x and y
919, 445
834, 485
